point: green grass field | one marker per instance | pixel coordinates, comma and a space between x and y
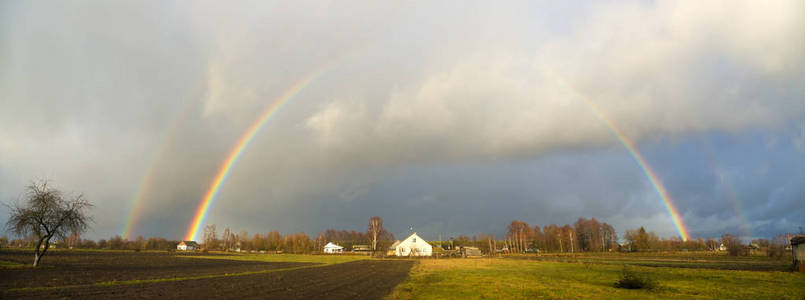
508, 278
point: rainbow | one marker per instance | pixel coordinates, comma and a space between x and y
652, 176
244, 142
134, 208
146, 182
727, 186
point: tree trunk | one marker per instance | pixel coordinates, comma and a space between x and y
491, 250
39, 252
572, 245
560, 244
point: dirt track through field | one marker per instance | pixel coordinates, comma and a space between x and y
365, 279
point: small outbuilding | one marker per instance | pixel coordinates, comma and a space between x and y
413, 246
798, 252
333, 248
471, 252
188, 246
361, 249
392, 250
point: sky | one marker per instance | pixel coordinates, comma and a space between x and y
451, 117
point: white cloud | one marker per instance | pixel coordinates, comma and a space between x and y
665, 69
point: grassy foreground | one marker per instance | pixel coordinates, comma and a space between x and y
523, 279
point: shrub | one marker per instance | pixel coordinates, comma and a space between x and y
632, 280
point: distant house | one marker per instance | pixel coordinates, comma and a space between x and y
333, 248
361, 249
798, 252
188, 246
722, 247
413, 246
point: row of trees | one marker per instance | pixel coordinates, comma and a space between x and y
375, 236
113, 243
590, 235
584, 235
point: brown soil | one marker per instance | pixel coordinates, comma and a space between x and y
64, 268
365, 279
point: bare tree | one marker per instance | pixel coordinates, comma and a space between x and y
375, 230
210, 237
47, 214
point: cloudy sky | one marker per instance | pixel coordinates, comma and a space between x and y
453, 117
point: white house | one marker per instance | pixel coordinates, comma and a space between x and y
413, 246
333, 248
188, 246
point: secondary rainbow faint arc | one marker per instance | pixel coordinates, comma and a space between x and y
715, 164
144, 188
244, 141
652, 176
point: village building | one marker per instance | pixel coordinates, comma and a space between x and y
188, 246
361, 249
798, 252
471, 252
392, 250
333, 248
413, 246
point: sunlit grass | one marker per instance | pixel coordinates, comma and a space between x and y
509, 278
703, 259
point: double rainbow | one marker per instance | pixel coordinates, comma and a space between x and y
289, 94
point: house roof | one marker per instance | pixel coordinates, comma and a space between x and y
413, 235
189, 243
331, 245
798, 240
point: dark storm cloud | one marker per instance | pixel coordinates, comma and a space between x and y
453, 117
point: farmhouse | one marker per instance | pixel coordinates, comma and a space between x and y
188, 246
798, 251
413, 246
333, 248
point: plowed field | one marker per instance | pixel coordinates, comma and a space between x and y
63, 268
76, 277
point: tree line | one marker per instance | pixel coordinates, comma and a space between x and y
376, 237
591, 235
